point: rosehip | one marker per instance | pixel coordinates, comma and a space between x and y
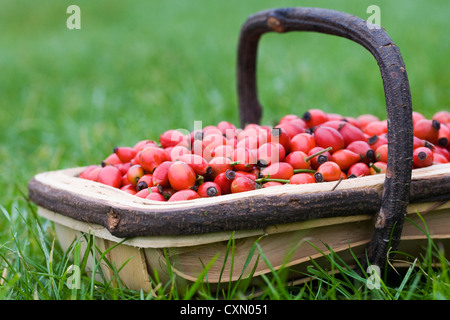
244, 159
112, 159
155, 196
328, 171
88, 170
365, 119
442, 116
329, 137
172, 138
125, 154
151, 157
303, 142
319, 155
241, 184
314, 117
110, 175
375, 128
181, 176
224, 180
270, 152
291, 128
359, 169
427, 130
281, 136
345, 158
278, 170
129, 188
363, 149
377, 140
422, 157
197, 163
378, 167
219, 165
381, 154
443, 136
185, 194
272, 184
209, 189
416, 116
134, 174
160, 175
302, 178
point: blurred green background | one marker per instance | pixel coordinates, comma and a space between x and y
137, 68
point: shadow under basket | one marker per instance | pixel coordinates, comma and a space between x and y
289, 245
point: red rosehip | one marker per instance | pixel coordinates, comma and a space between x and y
345, 158
427, 130
278, 170
125, 154
302, 178
134, 174
303, 142
328, 171
181, 175
359, 169
185, 194
151, 157
160, 175
314, 117
241, 184
110, 175
329, 137
224, 180
155, 196
422, 157
172, 138
209, 189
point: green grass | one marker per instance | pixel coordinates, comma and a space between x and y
135, 69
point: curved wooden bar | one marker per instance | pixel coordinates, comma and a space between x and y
395, 197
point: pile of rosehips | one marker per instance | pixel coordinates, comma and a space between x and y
223, 159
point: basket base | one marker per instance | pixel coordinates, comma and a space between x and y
290, 246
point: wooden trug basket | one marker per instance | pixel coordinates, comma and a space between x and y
364, 215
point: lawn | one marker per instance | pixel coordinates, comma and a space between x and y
137, 68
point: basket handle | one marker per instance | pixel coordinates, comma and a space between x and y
395, 194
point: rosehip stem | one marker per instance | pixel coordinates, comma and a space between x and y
308, 158
304, 170
265, 179
377, 170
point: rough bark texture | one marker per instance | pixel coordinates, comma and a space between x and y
395, 197
247, 212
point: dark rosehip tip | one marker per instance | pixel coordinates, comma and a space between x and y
422, 156
318, 176
429, 145
230, 174
160, 188
194, 187
103, 164
435, 124
141, 186
442, 142
306, 116
211, 191
352, 176
261, 163
370, 154
373, 139
198, 135
276, 132
322, 159
209, 171
115, 149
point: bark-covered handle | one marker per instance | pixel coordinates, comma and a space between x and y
395, 196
